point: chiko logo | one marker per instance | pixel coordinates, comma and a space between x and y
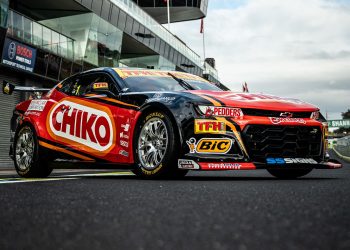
209, 126
210, 146
279, 120
82, 124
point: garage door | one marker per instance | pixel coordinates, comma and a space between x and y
7, 104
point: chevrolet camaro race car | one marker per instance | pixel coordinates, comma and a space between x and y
161, 124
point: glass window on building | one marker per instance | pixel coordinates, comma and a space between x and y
104, 43
37, 34
96, 42
53, 67
28, 30
17, 25
4, 6
47, 42
41, 62
66, 67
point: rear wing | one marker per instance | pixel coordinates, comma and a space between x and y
9, 88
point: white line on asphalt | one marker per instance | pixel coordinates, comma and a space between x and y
20, 180
62, 177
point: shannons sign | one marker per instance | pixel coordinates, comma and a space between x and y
18, 55
339, 123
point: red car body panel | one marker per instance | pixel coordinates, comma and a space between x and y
96, 128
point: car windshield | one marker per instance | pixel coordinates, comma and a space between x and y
156, 83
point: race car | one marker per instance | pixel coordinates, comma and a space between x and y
161, 124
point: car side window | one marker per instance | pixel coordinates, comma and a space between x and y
97, 84
67, 85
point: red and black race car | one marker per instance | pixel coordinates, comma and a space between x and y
162, 124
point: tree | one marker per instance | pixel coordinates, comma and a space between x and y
341, 130
346, 115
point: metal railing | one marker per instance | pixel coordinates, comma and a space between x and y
151, 24
342, 146
31, 32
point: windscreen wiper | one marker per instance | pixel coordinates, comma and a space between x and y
182, 82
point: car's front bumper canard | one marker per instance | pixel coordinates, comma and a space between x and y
193, 165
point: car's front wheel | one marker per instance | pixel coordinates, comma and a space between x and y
156, 147
289, 173
27, 158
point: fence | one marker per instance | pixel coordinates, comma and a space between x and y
342, 148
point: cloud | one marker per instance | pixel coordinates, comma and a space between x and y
291, 48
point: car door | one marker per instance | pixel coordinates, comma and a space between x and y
80, 123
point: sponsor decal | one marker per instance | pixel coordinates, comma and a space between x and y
224, 166
210, 145
154, 114
124, 73
123, 153
274, 161
34, 113
227, 166
100, 85
124, 144
250, 97
37, 105
280, 120
126, 126
159, 97
209, 111
209, 126
123, 136
79, 122
187, 164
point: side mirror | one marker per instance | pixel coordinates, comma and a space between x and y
7, 88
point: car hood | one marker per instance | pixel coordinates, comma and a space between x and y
255, 101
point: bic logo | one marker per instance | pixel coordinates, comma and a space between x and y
210, 146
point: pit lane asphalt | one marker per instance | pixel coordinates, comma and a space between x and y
217, 210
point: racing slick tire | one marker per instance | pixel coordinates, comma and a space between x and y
156, 147
289, 173
27, 157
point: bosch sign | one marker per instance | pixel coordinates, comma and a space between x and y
18, 55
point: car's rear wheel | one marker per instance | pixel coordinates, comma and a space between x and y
289, 173
156, 147
27, 158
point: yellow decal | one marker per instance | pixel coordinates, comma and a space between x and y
125, 73
100, 85
210, 146
202, 126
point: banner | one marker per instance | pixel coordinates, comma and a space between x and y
339, 123
18, 55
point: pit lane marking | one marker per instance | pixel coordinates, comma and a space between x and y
62, 177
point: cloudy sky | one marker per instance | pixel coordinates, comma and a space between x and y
293, 48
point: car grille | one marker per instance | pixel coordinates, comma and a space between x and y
272, 113
264, 141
